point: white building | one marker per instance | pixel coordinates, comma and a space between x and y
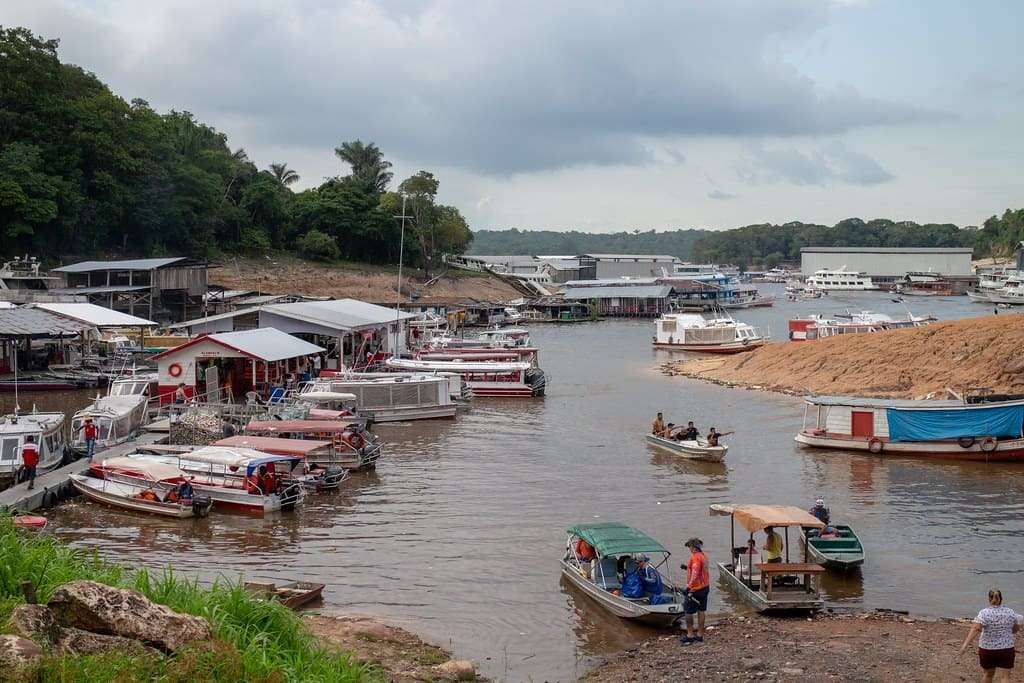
628, 265
887, 264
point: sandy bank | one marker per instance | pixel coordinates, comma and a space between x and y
975, 352
847, 647
376, 284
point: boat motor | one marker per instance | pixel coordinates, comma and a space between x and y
201, 505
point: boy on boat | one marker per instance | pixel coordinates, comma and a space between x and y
695, 595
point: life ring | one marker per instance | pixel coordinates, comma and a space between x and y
356, 441
988, 444
175, 370
965, 441
875, 445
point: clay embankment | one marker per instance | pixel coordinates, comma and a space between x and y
959, 354
281, 275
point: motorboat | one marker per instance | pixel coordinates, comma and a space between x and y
355, 447
397, 397
966, 428
1011, 292
695, 450
599, 578
47, 430
325, 469
820, 327
840, 280
135, 383
117, 419
713, 333
843, 552
140, 486
485, 378
771, 587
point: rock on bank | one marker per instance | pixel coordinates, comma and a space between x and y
974, 352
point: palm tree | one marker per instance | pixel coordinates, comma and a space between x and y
367, 162
283, 174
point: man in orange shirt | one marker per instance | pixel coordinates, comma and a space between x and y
698, 584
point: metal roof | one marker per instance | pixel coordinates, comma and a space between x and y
130, 264
635, 257
867, 402
636, 292
615, 282
266, 344
32, 322
887, 250
339, 313
112, 289
97, 316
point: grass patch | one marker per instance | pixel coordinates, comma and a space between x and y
256, 640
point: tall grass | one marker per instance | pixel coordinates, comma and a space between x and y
256, 640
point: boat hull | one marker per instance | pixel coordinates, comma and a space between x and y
731, 347
760, 602
1005, 451
845, 561
412, 413
112, 493
689, 449
663, 616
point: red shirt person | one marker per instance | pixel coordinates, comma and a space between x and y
30, 459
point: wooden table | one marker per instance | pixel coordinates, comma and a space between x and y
807, 569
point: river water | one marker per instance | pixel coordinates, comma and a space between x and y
457, 535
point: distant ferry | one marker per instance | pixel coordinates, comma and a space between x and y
695, 332
842, 279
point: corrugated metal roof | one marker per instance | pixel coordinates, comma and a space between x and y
347, 314
96, 315
642, 257
266, 343
868, 402
614, 282
886, 250
638, 292
130, 264
33, 322
112, 289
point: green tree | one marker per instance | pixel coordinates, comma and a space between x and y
318, 246
367, 162
283, 175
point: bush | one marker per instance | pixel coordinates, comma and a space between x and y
255, 240
318, 246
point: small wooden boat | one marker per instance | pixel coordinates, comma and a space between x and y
695, 450
598, 578
148, 490
292, 595
844, 552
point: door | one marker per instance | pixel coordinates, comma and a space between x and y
862, 423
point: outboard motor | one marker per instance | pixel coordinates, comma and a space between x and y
201, 505
290, 496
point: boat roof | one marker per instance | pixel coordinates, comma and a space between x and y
30, 423
757, 517
234, 456
148, 469
299, 425
615, 538
456, 365
869, 402
276, 445
318, 395
108, 406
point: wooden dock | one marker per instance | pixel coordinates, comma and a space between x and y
52, 487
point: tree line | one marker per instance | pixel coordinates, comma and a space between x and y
85, 173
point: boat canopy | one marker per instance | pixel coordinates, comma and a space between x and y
270, 444
966, 421
286, 426
613, 538
147, 469
757, 517
317, 396
456, 365
236, 458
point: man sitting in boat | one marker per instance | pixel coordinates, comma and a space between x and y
632, 582
690, 433
650, 578
658, 426
820, 511
829, 533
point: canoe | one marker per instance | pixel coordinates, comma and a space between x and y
843, 553
292, 595
689, 449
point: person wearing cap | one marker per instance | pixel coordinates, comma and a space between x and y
30, 459
820, 511
698, 585
90, 433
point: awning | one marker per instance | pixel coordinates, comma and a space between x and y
268, 444
757, 517
974, 421
99, 316
290, 426
266, 344
613, 538
33, 322
143, 468
233, 458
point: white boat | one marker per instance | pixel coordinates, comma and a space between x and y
706, 334
1012, 293
498, 337
48, 432
117, 419
135, 383
696, 450
140, 486
599, 580
485, 378
840, 280
392, 397
819, 326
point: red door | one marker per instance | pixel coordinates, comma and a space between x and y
862, 423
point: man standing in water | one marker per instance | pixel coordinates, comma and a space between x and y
698, 585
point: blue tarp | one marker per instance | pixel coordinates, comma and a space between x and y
930, 425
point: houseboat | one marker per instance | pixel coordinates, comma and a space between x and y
393, 397
706, 333
117, 419
485, 378
924, 284
22, 282
840, 280
48, 432
819, 326
971, 429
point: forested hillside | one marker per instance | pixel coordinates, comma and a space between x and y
84, 173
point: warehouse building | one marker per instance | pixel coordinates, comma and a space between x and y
626, 265
885, 265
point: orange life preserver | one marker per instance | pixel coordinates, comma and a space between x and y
175, 370
356, 441
875, 445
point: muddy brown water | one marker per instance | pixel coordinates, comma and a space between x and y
458, 533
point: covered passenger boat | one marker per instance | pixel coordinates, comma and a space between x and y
485, 378
140, 486
47, 431
700, 333
326, 469
117, 419
976, 428
787, 586
356, 447
393, 397
599, 578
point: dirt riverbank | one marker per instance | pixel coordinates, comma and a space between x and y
376, 284
974, 352
840, 647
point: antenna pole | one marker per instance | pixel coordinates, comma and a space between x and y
401, 255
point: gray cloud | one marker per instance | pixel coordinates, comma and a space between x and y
831, 163
492, 87
718, 194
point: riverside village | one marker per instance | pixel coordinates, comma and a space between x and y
348, 426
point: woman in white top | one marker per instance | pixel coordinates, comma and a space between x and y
997, 626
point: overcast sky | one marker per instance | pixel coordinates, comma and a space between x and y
599, 116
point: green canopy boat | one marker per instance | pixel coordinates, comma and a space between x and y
844, 552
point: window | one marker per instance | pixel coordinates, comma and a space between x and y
9, 449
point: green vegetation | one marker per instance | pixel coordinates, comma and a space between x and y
83, 169
255, 640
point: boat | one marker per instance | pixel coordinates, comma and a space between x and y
771, 587
355, 447
140, 486
989, 281
326, 470
696, 450
744, 296
1012, 293
22, 282
820, 327
48, 432
840, 280
135, 383
40, 383
117, 419
485, 378
598, 578
712, 333
843, 553
397, 397
292, 595
924, 284
221, 473
985, 428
